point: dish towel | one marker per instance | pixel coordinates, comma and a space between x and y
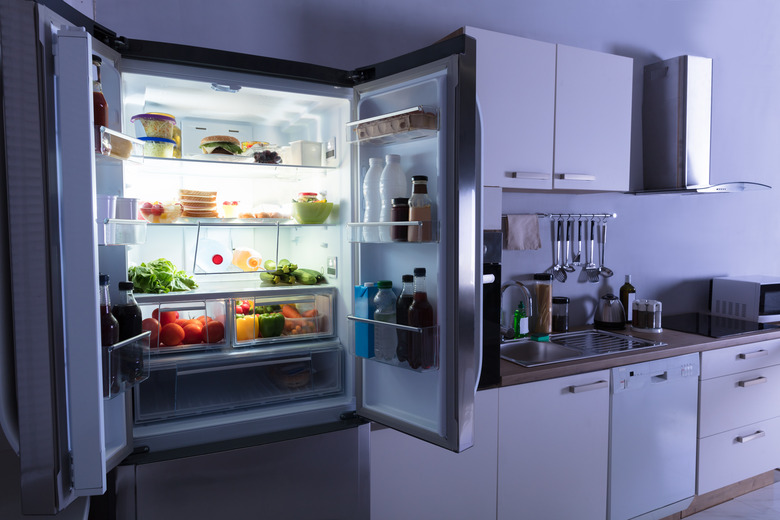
522, 232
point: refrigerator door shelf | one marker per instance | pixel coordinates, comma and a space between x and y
187, 386
120, 146
413, 123
125, 365
121, 232
356, 231
423, 340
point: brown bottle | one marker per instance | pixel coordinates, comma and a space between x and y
422, 349
99, 104
109, 335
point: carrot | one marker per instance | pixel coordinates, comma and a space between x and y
290, 312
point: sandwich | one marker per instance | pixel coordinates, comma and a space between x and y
224, 144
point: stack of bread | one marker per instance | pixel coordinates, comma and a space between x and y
199, 204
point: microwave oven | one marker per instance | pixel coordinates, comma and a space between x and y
753, 298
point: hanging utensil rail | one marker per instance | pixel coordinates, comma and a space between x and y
576, 215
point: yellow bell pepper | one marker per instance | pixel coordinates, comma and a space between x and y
245, 328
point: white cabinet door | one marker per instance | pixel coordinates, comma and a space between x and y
516, 103
592, 120
553, 446
412, 479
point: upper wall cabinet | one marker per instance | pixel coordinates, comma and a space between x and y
552, 116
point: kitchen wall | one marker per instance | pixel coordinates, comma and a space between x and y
671, 244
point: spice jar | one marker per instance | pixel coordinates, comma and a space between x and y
399, 213
542, 323
560, 314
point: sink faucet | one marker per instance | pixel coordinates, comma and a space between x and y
507, 332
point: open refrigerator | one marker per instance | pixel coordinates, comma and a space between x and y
229, 384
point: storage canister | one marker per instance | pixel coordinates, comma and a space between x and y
542, 322
560, 314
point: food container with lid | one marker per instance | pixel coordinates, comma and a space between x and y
158, 147
306, 153
156, 124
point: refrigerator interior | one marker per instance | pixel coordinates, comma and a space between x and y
232, 388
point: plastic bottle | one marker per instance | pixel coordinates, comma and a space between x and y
372, 204
109, 335
422, 351
247, 259
420, 210
129, 316
627, 297
520, 322
384, 310
392, 184
402, 305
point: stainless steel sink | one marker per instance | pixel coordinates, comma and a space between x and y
531, 353
571, 345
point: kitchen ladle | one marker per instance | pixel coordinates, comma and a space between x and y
577, 260
567, 266
604, 271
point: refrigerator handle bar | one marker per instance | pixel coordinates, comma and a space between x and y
389, 324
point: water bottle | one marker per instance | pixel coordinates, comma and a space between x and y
384, 310
371, 201
392, 184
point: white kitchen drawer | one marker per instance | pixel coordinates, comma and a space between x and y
716, 363
733, 400
738, 454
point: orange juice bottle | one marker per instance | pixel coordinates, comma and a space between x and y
247, 259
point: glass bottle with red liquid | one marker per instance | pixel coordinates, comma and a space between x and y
422, 350
99, 104
129, 316
109, 335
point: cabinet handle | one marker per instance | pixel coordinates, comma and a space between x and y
751, 382
576, 177
757, 353
576, 389
529, 176
751, 437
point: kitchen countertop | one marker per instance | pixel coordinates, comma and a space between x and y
677, 343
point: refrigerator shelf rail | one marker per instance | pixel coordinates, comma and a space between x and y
356, 235
120, 146
413, 123
419, 349
125, 365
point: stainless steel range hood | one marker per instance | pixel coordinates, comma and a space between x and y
676, 121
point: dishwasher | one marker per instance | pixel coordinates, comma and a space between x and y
652, 445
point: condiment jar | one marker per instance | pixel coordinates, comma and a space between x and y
560, 314
399, 213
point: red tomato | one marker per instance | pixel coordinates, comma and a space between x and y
193, 333
154, 326
166, 317
213, 332
239, 309
171, 334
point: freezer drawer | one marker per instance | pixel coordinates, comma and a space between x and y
188, 385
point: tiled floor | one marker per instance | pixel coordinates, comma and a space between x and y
761, 504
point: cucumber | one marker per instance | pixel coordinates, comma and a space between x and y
308, 276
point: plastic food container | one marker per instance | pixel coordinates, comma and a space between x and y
158, 147
156, 124
161, 213
306, 153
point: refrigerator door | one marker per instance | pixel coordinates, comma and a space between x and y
69, 436
435, 405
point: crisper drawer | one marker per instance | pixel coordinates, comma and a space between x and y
207, 382
716, 363
738, 454
733, 400
289, 316
186, 325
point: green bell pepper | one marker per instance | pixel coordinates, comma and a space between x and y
270, 324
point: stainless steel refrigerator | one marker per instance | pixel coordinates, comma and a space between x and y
228, 390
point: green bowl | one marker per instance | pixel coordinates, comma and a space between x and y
311, 212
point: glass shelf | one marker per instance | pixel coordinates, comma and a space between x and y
357, 236
413, 123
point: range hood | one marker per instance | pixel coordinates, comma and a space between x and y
676, 120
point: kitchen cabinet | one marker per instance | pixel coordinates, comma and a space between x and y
553, 438
739, 421
413, 479
552, 116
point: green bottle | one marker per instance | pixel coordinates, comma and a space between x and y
520, 323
